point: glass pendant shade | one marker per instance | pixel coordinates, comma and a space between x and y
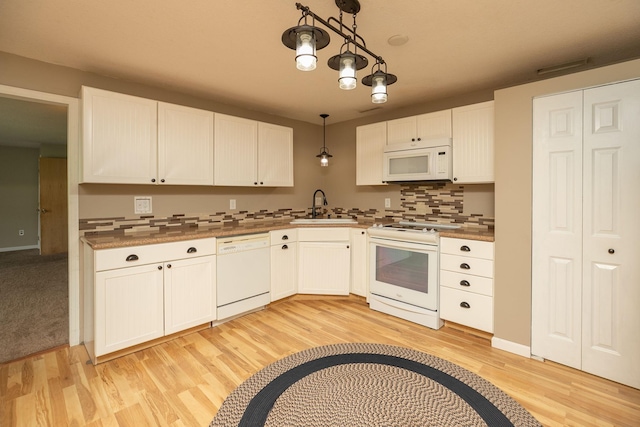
324, 161
306, 58
379, 88
347, 77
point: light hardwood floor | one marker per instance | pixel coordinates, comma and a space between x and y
183, 382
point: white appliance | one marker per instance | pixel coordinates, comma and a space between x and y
404, 271
243, 274
418, 161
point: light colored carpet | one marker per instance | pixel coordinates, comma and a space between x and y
359, 384
34, 303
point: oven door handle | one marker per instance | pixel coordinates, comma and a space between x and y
405, 246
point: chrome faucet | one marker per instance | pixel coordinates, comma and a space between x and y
324, 202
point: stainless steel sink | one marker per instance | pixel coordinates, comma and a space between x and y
324, 221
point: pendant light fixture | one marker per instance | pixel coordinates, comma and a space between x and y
324, 153
307, 39
379, 80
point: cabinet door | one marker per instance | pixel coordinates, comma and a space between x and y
434, 126
189, 293
283, 270
185, 145
235, 151
370, 142
275, 155
323, 268
401, 131
128, 307
473, 143
119, 138
359, 263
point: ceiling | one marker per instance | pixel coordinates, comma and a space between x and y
231, 51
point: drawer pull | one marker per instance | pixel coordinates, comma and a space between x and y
132, 257
285, 237
168, 265
285, 247
192, 250
465, 283
465, 304
465, 266
159, 267
465, 248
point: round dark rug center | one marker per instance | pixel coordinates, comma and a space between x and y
368, 385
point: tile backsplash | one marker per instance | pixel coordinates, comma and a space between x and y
432, 202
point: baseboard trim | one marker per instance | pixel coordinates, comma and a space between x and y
19, 248
511, 347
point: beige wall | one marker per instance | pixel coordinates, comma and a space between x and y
513, 112
18, 197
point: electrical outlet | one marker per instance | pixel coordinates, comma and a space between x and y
142, 205
232, 203
387, 202
20, 232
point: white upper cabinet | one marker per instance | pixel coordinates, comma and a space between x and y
132, 140
119, 138
370, 142
185, 145
473, 134
249, 153
419, 129
275, 155
235, 154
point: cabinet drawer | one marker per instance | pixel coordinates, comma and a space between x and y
283, 236
467, 308
466, 247
467, 282
324, 234
109, 259
467, 265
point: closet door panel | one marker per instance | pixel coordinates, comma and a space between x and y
611, 295
557, 229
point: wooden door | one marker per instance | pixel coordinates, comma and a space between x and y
53, 206
611, 267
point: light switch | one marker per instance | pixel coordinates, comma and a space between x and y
232, 203
142, 204
387, 202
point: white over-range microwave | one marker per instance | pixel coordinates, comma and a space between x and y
418, 161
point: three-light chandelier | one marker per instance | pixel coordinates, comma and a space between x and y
307, 39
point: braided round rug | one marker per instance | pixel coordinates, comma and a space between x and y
368, 385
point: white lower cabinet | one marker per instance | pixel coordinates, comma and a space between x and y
284, 261
129, 307
133, 295
359, 262
324, 261
189, 293
466, 282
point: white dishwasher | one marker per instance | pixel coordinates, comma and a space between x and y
243, 274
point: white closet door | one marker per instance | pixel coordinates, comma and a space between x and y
611, 275
557, 228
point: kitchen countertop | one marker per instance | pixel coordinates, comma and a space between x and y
168, 234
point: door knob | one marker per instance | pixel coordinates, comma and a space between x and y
44, 211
